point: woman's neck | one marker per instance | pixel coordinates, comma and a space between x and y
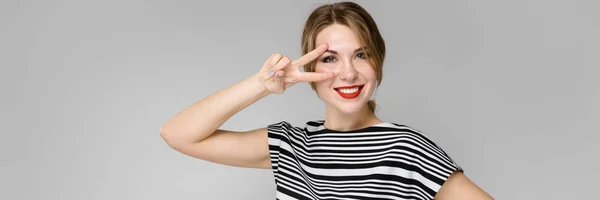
339, 121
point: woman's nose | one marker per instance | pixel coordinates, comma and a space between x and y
348, 72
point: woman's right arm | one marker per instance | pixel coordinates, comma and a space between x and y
195, 131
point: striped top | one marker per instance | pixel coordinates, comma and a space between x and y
383, 161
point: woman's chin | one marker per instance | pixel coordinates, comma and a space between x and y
347, 106
350, 108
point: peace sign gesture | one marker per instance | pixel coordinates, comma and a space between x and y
279, 72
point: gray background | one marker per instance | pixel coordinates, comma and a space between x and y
509, 89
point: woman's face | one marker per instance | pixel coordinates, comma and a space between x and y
355, 78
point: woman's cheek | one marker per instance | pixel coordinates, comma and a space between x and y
367, 70
319, 67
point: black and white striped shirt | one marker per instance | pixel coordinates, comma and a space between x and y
383, 161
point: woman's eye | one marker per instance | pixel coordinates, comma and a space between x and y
328, 59
361, 55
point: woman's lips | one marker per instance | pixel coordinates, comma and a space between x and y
349, 92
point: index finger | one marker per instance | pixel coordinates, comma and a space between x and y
310, 56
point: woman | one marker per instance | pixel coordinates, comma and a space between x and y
352, 154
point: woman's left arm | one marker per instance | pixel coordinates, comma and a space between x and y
458, 186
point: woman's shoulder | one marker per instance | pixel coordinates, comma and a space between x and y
284, 126
309, 123
410, 130
318, 125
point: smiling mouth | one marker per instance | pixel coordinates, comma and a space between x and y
349, 92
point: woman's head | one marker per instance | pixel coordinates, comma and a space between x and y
356, 53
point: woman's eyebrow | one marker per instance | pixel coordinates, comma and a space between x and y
359, 49
331, 51
335, 52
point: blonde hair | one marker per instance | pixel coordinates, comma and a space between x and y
358, 19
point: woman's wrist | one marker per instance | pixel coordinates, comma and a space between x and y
259, 85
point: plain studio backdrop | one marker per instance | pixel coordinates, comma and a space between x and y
510, 89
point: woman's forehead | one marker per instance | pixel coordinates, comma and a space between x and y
338, 37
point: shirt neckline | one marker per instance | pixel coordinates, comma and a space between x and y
321, 127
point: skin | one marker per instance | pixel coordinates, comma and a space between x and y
459, 186
351, 67
195, 131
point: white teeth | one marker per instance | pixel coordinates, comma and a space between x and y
349, 91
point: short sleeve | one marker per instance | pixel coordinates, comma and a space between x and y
277, 134
436, 166
448, 165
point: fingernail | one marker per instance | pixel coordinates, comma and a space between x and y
271, 73
279, 75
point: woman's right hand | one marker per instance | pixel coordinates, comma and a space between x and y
279, 72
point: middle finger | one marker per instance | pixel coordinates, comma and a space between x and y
274, 59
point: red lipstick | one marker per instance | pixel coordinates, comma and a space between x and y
349, 92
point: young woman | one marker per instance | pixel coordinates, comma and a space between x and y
351, 154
